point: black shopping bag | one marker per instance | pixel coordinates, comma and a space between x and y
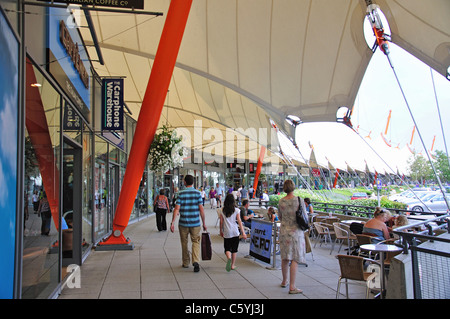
206, 246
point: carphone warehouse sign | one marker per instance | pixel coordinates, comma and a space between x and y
112, 104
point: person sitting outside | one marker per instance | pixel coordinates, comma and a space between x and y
272, 214
309, 206
400, 220
377, 227
246, 214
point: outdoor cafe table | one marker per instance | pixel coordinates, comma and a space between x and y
382, 249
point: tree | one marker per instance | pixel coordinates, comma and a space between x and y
441, 163
420, 168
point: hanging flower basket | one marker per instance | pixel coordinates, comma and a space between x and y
166, 151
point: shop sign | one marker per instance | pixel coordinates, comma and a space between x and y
73, 52
261, 240
68, 61
112, 104
71, 120
136, 4
316, 172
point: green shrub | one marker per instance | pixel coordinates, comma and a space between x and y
320, 202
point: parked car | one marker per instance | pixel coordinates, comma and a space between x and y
408, 194
359, 196
437, 205
423, 196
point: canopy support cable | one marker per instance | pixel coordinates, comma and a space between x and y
382, 42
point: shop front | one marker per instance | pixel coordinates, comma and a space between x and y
72, 169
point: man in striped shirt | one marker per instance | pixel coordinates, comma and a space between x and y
189, 205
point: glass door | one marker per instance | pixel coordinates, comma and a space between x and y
113, 194
72, 204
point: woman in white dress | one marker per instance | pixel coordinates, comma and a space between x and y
292, 239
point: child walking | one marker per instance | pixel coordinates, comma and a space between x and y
229, 230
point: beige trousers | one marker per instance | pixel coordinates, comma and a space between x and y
195, 239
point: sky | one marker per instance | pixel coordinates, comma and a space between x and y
380, 93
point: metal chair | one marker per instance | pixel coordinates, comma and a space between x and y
352, 268
343, 234
323, 231
363, 240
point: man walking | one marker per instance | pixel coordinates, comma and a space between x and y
219, 195
189, 205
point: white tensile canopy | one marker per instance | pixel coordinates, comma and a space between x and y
244, 63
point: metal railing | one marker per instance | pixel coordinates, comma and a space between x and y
430, 256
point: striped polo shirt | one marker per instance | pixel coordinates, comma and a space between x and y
189, 199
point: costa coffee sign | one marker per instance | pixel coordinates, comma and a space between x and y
72, 50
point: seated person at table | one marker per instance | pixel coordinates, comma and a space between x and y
246, 214
309, 206
272, 214
377, 227
400, 221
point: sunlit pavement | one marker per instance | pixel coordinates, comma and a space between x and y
153, 271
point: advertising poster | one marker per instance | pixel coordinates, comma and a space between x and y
9, 80
261, 240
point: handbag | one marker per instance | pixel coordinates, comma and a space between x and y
206, 246
300, 216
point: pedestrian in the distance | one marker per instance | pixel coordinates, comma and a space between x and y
161, 205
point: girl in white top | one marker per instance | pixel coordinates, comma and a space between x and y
230, 223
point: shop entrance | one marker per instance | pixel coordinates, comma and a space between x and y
72, 203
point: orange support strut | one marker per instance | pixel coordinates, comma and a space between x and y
149, 115
258, 168
336, 178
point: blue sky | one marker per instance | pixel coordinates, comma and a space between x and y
379, 93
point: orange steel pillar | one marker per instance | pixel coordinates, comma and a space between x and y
258, 168
149, 115
336, 178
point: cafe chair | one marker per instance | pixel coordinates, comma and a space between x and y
343, 234
312, 220
364, 239
247, 231
323, 232
352, 268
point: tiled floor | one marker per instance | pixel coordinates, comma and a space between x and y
153, 270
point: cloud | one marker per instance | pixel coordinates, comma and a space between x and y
3, 189
8, 132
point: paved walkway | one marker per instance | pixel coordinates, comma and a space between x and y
153, 270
